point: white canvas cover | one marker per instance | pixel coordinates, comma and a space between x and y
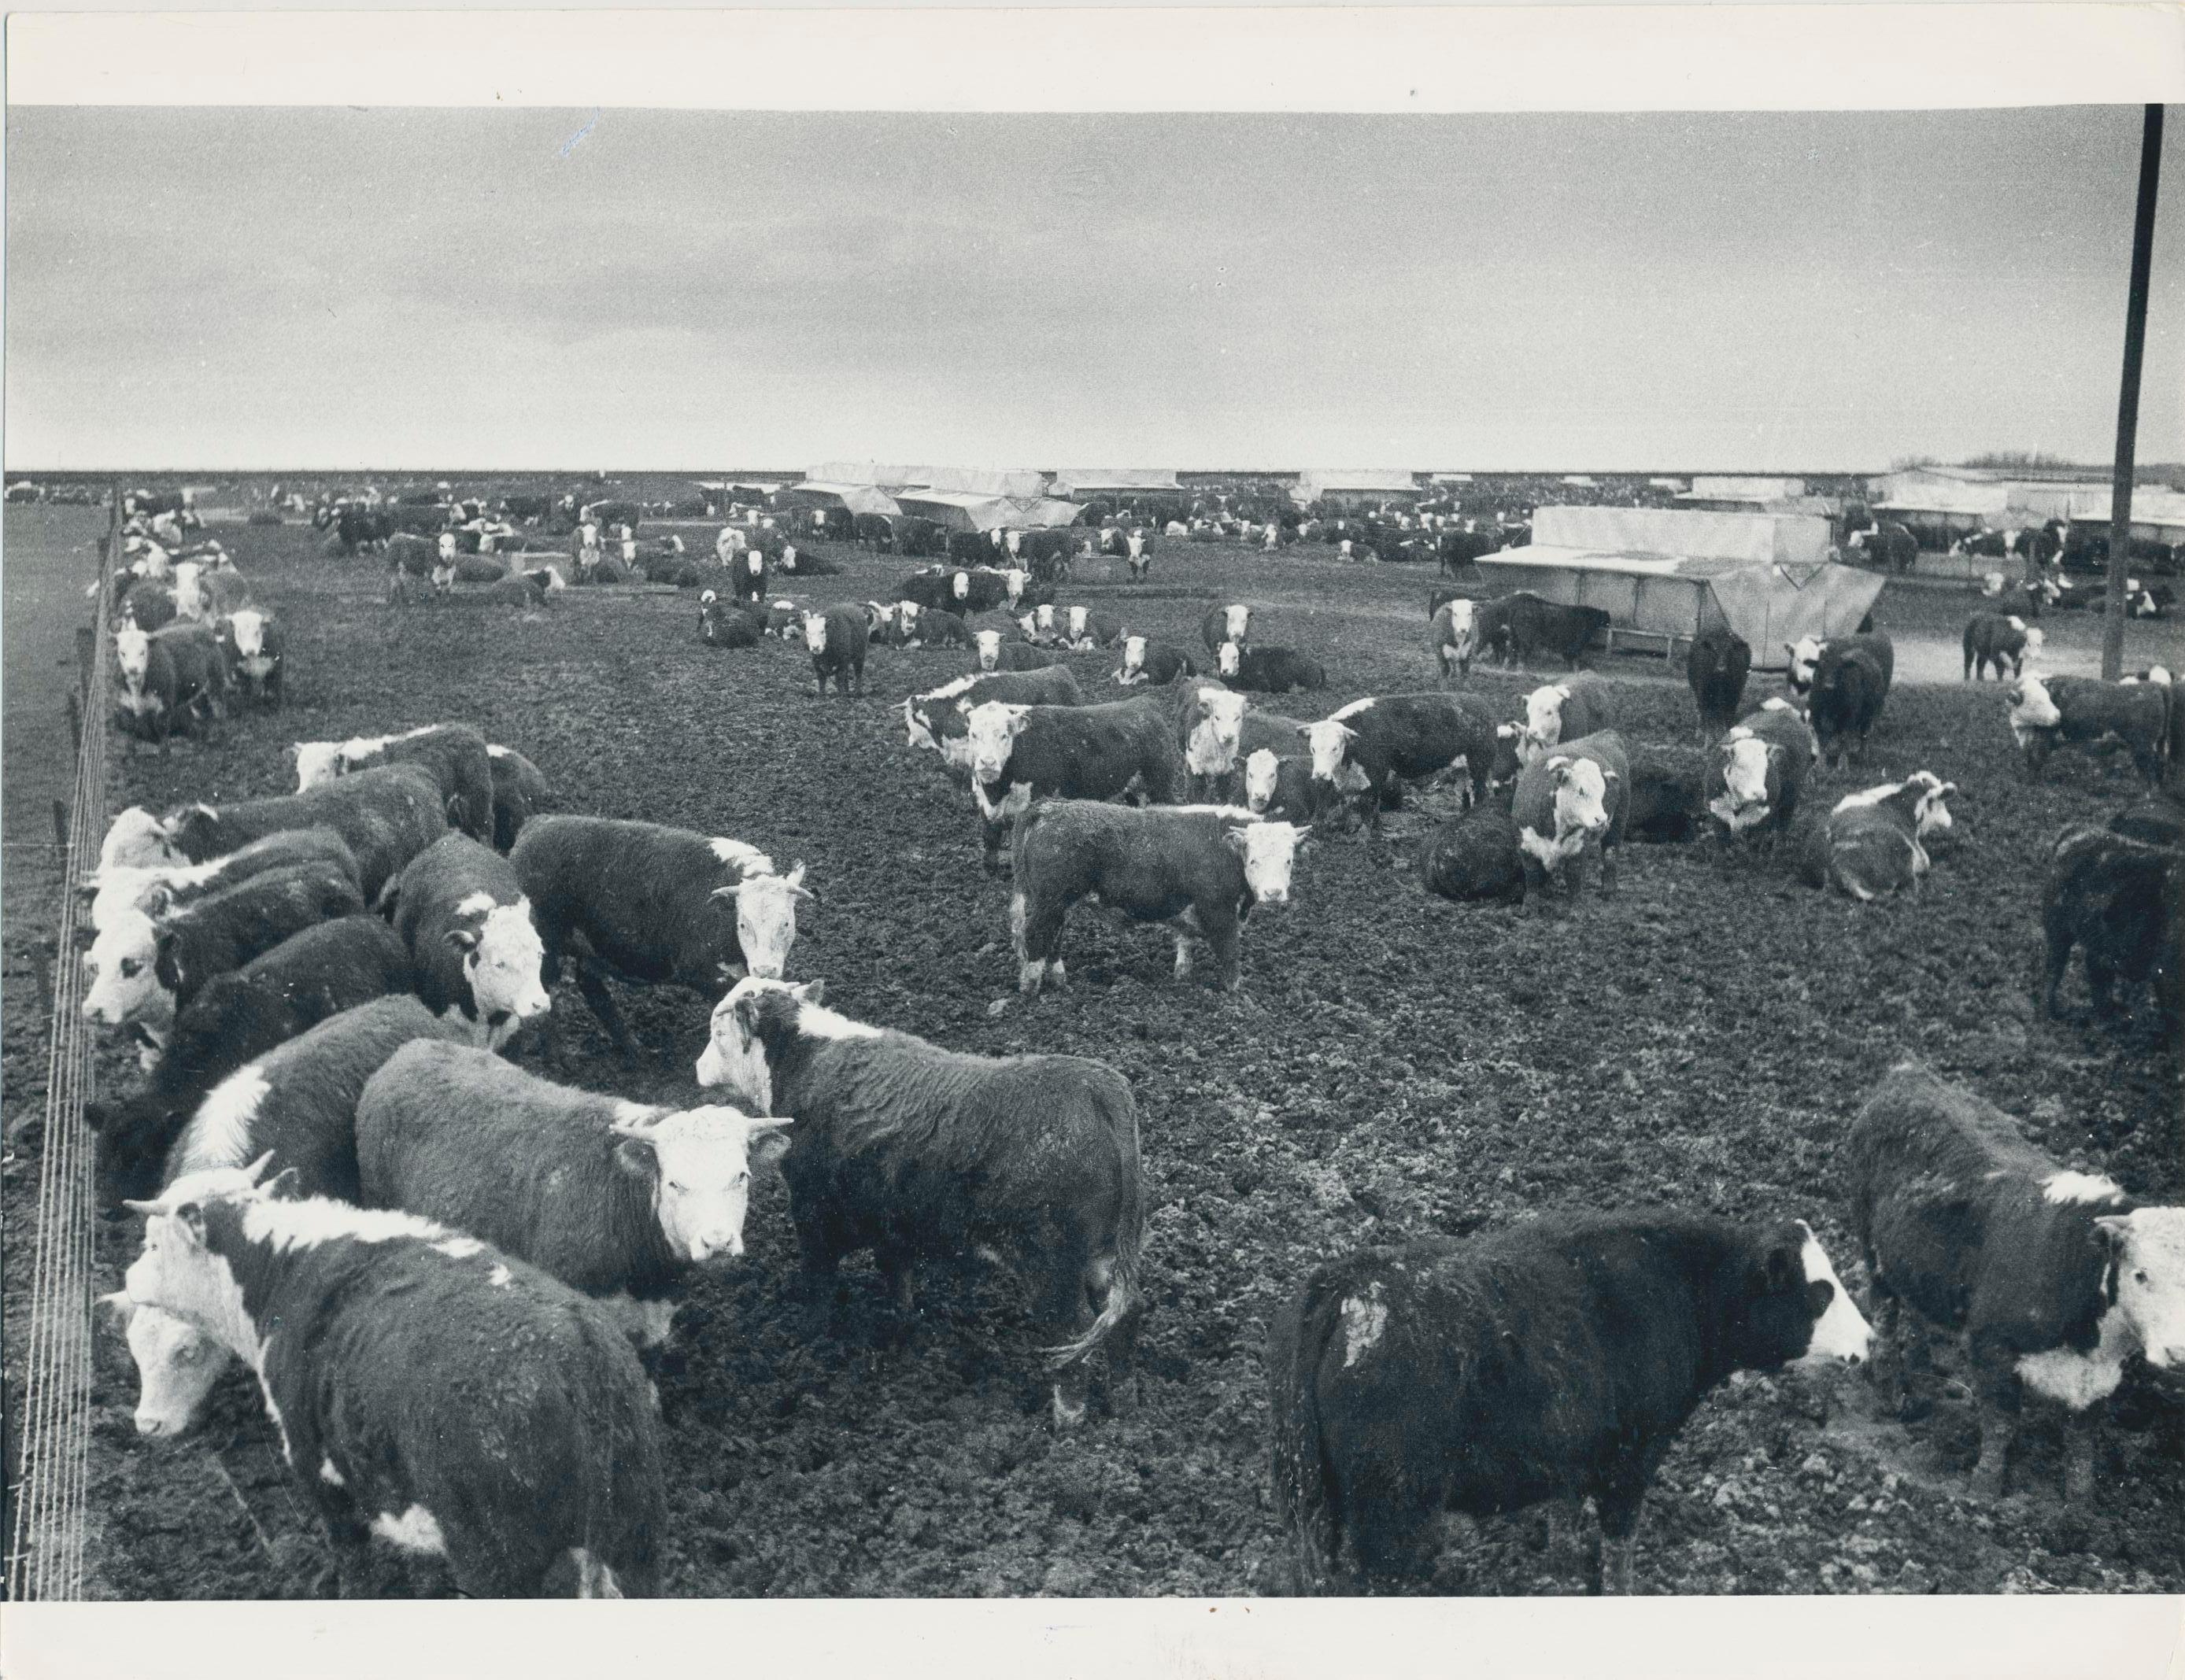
1081, 481
2154, 509
1744, 488
1045, 512
1685, 533
1768, 603
956, 510
856, 498
1315, 482
1022, 482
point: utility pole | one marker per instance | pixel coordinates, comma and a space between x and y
2128, 432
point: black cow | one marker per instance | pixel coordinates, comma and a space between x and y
1372, 747
1668, 797
1991, 637
1475, 859
919, 1154
729, 623
1555, 1360
520, 792
2121, 900
1717, 667
1270, 669
1520, 626
1850, 686
2052, 1276
1019, 753
836, 640
2147, 718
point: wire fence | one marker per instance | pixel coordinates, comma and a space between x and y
46, 1550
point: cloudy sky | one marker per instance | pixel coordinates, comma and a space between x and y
350, 287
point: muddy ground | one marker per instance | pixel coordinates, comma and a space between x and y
1394, 1066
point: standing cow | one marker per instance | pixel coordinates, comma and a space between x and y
463, 916
836, 640
1569, 804
1716, 666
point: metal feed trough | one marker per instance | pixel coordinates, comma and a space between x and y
1663, 575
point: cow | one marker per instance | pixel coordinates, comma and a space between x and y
146, 604
1020, 753
1571, 805
610, 513
619, 1200
1231, 624
749, 574
1372, 747
1281, 785
1583, 706
298, 1103
1086, 630
1521, 625
1555, 1359
935, 629
1475, 859
974, 548
252, 646
1807, 651
1669, 799
1158, 663
2049, 712
382, 1421
168, 675
520, 792
980, 589
1269, 669
1457, 549
2159, 820
993, 653
727, 624
1204, 868
1759, 775
278, 995
2121, 900
1873, 843
2052, 1277
836, 639
918, 1153
467, 926
1045, 625
1453, 635
1893, 546
939, 720
1138, 555
653, 906
1991, 637
1849, 688
1716, 666
459, 758
1220, 730
155, 889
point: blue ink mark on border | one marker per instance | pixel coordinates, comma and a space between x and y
577, 138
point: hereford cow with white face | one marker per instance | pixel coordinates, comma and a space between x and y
1570, 804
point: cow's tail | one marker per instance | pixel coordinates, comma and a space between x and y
1122, 1297
1304, 1496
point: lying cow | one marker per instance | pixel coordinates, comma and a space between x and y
2049, 712
2121, 900
463, 916
383, 1422
1020, 753
653, 906
619, 1200
726, 623
1991, 637
1555, 1360
920, 1153
297, 1102
994, 654
1269, 669
1158, 663
1569, 806
1201, 868
1873, 843
1085, 631
1668, 801
2052, 1277
1475, 859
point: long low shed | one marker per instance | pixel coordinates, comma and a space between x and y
1768, 579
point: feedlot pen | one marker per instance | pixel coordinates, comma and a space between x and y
1394, 1067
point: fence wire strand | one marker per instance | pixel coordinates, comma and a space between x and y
46, 1552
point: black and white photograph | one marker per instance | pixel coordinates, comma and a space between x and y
1532, 943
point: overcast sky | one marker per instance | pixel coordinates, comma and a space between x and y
344, 287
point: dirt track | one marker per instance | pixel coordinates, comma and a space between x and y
1396, 1066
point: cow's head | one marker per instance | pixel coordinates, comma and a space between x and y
1268, 850
177, 1272
698, 1163
176, 1364
1796, 1310
123, 969
1329, 742
189, 592
1805, 653
1217, 726
248, 627
1930, 815
989, 644
446, 546
1078, 616
136, 839
994, 727
133, 654
959, 585
2146, 1278
1015, 579
1229, 659
1463, 620
1134, 660
1747, 763
1262, 773
2031, 706
1237, 623
1544, 720
1581, 796
815, 632
766, 916
501, 955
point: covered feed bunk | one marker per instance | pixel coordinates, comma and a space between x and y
1662, 575
817, 492
969, 511
1115, 483
1354, 487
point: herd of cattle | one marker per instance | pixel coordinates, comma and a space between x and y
350, 1184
